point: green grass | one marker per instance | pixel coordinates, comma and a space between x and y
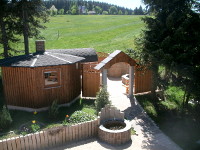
21, 117
101, 32
183, 128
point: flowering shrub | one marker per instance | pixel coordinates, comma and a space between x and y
77, 117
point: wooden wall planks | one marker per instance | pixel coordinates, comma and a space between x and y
25, 86
142, 80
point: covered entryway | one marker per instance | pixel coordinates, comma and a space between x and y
139, 80
116, 57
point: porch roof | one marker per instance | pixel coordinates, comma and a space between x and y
115, 57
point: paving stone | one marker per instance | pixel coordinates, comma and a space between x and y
148, 135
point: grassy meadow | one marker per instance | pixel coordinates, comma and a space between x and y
104, 33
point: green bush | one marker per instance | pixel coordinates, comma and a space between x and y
78, 117
102, 99
53, 110
104, 13
30, 127
174, 94
5, 118
174, 98
35, 127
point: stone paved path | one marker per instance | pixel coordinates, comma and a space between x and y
149, 136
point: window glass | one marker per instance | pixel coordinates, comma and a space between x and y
51, 78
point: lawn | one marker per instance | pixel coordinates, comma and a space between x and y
104, 33
22, 117
183, 127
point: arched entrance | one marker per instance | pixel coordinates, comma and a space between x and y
116, 57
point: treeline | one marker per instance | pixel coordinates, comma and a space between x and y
88, 7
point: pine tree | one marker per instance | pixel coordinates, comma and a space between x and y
7, 26
30, 14
135, 11
140, 11
172, 39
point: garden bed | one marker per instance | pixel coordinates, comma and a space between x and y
86, 106
52, 137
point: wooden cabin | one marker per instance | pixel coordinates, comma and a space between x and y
35, 80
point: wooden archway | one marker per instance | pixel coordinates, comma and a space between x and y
116, 57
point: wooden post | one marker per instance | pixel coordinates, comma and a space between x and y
104, 77
131, 80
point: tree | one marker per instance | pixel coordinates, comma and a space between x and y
98, 9
197, 6
172, 40
61, 11
5, 118
135, 11
53, 10
120, 12
88, 5
113, 10
7, 26
140, 11
104, 13
74, 10
102, 99
30, 14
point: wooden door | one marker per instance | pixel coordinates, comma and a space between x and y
90, 80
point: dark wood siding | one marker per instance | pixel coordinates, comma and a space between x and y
142, 80
25, 86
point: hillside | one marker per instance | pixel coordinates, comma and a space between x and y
102, 32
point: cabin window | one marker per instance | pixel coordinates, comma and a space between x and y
52, 78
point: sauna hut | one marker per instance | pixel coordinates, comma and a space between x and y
33, 81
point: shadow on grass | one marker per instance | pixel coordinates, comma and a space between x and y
183, 128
